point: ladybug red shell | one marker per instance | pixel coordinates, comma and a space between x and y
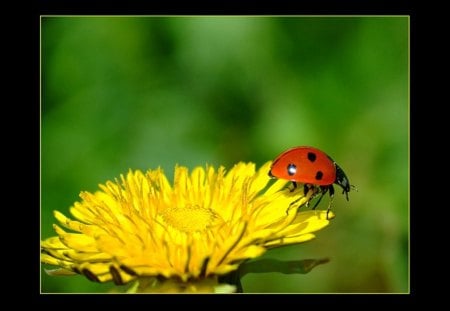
312, 167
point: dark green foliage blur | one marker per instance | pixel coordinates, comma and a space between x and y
122, 93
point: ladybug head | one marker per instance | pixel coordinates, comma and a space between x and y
342, 180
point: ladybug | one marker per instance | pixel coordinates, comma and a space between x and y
312, 167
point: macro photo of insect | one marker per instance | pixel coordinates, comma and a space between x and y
224, 154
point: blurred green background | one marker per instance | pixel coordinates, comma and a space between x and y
143, 92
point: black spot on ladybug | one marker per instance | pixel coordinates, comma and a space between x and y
319, 175
291, 169
312, 156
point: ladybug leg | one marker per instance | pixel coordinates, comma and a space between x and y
305, 191
306, 188
318, 201
323, 191
331, 188
294, 184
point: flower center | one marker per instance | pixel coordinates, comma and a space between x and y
189, 218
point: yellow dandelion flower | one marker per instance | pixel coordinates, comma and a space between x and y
180, 237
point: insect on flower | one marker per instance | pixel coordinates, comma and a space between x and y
313, 168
